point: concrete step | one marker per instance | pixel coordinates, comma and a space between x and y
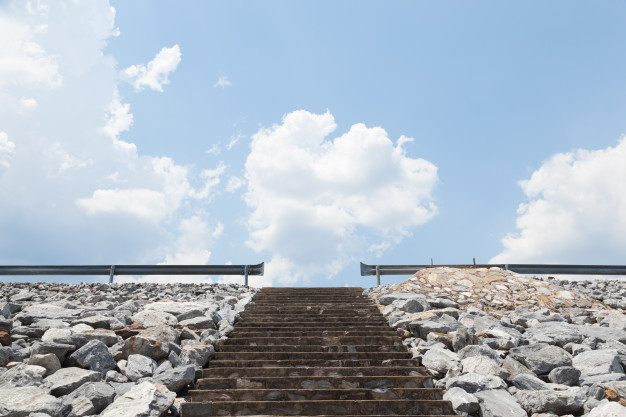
313, 371
357, 394
366, 331
310, 355
314, 362
315, 382
350, 348
320, 407
314, 340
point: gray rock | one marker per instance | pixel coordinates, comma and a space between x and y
24, 401
8, 354
560, 334
201, 322
145, 399
100, 394
196, 355
163, 367
140, 366
499, 403
390, 298
22, 375
51, 335
566, 375
81, 407
190, 314
413, 305
440, 360
47, 311
94, 356
177, 378
558, 402
619, 347
33, 332
121, 388
529, 382
463, 337
479, 350
188, 334
483, 365
611, 409
475, 382
6, 325
58, 349
443, 324
598, 362
108, 337
462, 402
154, 318
541, 358
442, 303
153, 343
113, 376
175, 360
598, 379
50, 361
66, 380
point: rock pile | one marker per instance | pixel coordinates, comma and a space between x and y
502, 344
110, 350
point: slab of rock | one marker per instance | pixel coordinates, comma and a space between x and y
50, 361
22, 375
475, 382
178, 308
59, 349
51, 335
558, 402
94, 356
442, 324
24, 401
201, 322
8, 354
611, 409
176, 379
483, 365
140, 366
479, 350
566, 375
66, 380
598, 362
108, 337
145, 399
152, 318
499, 403
196, 354
529, 382
47, 311
390, 298
560, 334
462, 401
81, 407
440, 360
541, 358
153, 343
100, 394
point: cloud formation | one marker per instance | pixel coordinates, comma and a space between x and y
7, 149
576, 210
156, 73
313, 199
222, 82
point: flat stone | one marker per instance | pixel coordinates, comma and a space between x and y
598, 362
50, 361
201, 322
81, 407
440, 360
22, 375
177, 378
529, 382
66, 380
611, 409
153, 342
58, 349
140, 366
51, 335
100, 394
541, 358
390, 298
558, 402
475, 382
145, 399
499, 403
462, 401
24, 401
154, 318
479, 350
566, 375
177, 308
562, 333
483, 365
94, 356
108, 337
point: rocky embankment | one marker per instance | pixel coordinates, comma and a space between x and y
503, 344
110, 350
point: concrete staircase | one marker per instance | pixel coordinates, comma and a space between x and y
314, 352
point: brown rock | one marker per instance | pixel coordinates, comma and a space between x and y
5, 339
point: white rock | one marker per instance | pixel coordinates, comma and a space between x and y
611, 409
154, 318
21, 402
145, 400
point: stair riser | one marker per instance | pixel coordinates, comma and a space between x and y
314, 362
278, 341
311, 371
314, 382
309, 355
318, 348
317, 394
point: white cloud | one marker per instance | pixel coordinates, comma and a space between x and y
222, 82
23, 61
28, 103
235, 183
576, 211
234, 139
214, 150
7, 150
119, 120
156, 73
315, 202
143, 203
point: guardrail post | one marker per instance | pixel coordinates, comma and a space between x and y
111, 274
245, 271
377, 274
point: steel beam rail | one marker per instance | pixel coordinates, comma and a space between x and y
113, 270
378, 270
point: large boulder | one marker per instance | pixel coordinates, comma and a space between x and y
153, 342
440, 360
152, 318
560, 334
598, 362
462, 401
94, 356
22, 375
66, 380
541, 358
140, 366
24, 401
499, 403
548, 401
475, 382
145, 399
177, 378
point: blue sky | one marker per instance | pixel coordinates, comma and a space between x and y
312, 135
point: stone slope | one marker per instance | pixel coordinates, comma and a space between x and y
110, 350
505, 344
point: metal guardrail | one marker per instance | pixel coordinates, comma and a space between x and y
378, 270
113, 270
